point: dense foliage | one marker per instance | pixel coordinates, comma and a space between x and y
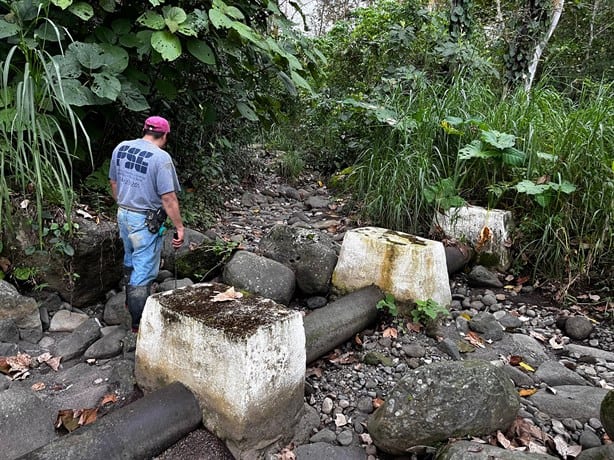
418, 111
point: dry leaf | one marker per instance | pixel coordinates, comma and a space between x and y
377, 402
110, 398
66, 418
538, 336
87, 416
525, 366
286, 454
87, 215
38, 386
527, 391
475, 340
414, 327
515, 360
5, 264
313, 372
357, 340
505, 443
483, 238
345, 358
229, 294
390, 332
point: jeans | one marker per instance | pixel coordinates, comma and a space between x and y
142, 249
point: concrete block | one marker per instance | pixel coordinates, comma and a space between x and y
406, 266
244, 359
467, 224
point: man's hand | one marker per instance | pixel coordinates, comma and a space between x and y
177, 238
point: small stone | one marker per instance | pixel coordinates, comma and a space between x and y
327, 405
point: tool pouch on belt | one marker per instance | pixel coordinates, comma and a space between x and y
155, 219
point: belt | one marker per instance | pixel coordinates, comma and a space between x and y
138, 211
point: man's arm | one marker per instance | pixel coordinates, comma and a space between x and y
170, 203
113, 189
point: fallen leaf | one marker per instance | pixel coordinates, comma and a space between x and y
229, 294
357, 340
313, 372
561, 446
525, 366
5, 264
483, 238
38, 386
414, 327
365, 438
475, 340
109, 398
538, 336
515, 360
390, 332
87, 416
85, 214
551, 390
345, 358
522, 280
505, 443
66, 418
377, 402
527, 391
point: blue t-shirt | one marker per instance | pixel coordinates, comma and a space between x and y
143, 172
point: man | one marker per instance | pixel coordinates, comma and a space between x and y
143, 180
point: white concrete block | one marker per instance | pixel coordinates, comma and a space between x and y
467, 223
244, 360
408, 267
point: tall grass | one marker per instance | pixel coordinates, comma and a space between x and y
567, 236
38, 134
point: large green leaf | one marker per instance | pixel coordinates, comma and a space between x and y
106, 85
167, 44
152, 20
531, 188
133, 41
219, 19
173, 17
300, 81
564, 187
498, 140
121, 26
288, 83
144, 42
474, 150
49, 32
107, 5
76, 94
513, 157
62, 3
201, 51
82, 10
247, 111
105, 35
89, 55
115, 58
131, 98
68, 65
8, 29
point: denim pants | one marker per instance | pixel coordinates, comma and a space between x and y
142, 249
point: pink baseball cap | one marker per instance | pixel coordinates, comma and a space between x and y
157, 125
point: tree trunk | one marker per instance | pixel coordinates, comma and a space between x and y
557, 10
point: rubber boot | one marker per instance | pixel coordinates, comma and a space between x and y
136, 296
127, 274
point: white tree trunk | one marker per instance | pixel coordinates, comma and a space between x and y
557, 10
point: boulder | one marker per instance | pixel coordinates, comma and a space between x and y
607, 413
467, 450
444, 400
260, 275
19, 313
309, 253
97, 260
199, 257
579, 402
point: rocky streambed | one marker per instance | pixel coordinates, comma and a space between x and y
561, 361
